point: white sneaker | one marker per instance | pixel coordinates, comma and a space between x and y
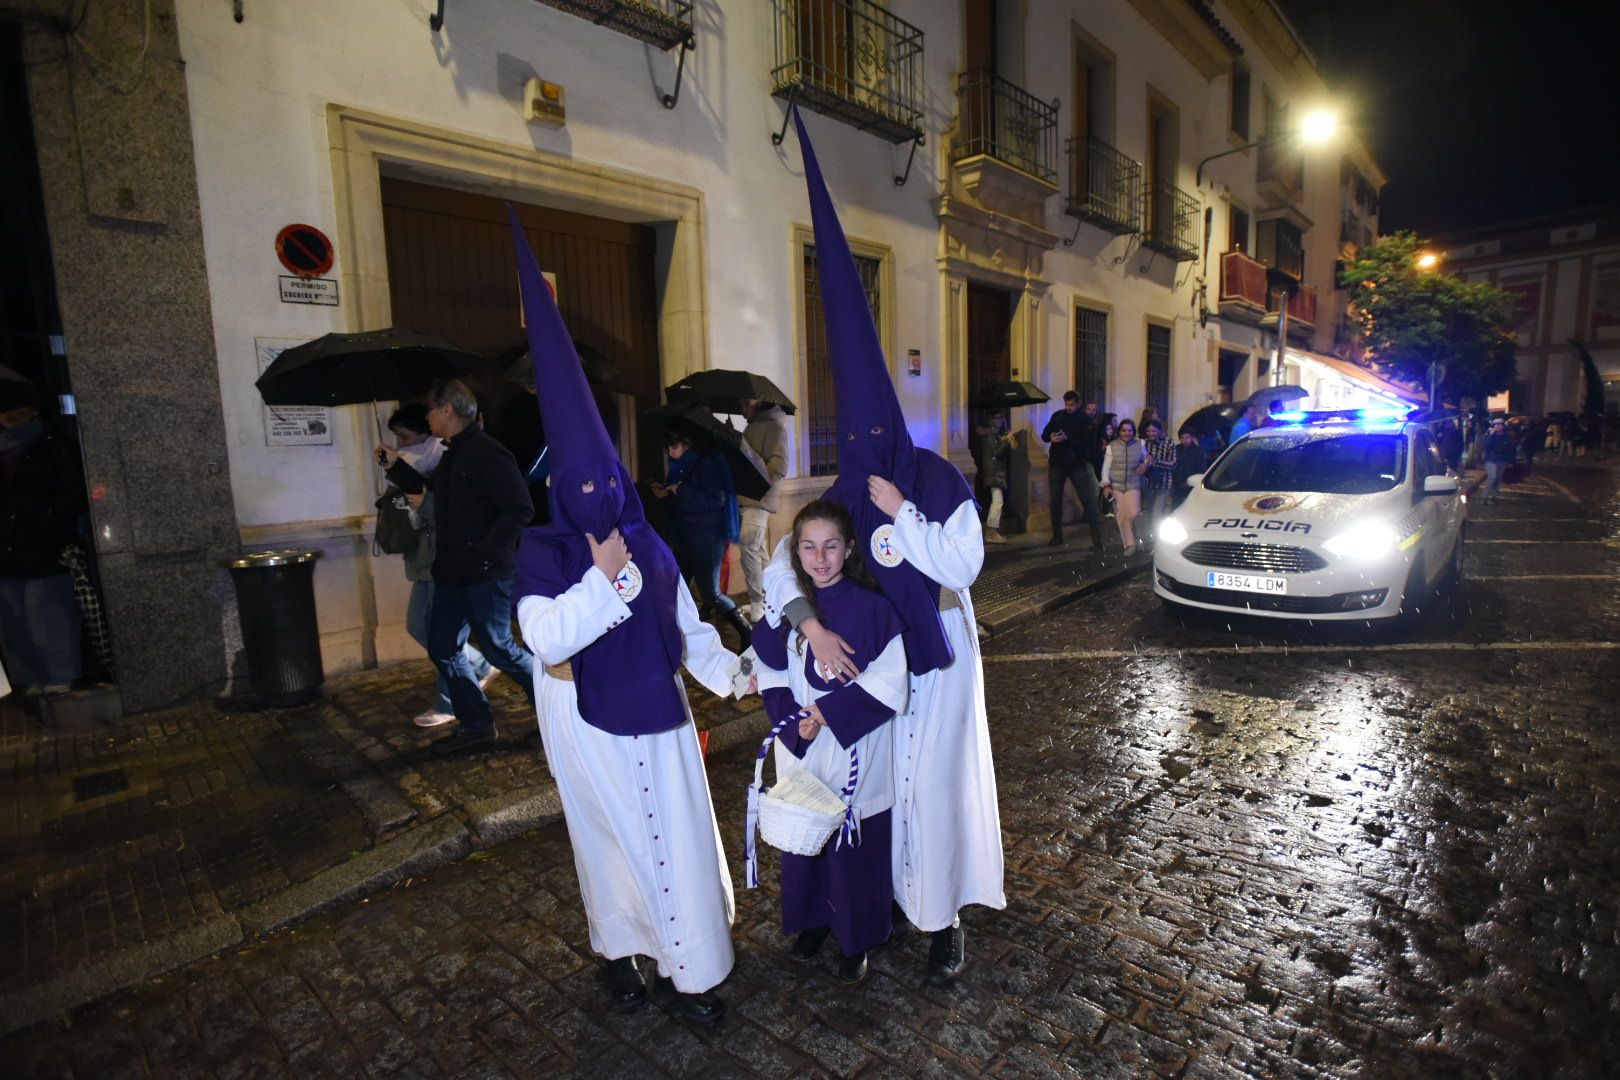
433, 718
489, 678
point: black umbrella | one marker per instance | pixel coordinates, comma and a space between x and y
749, 475
348, 369
517, 365
1213, 420
720, 390
1009, 395
1262, 398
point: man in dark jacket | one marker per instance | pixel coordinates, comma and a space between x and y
1191, 460
1500, 452
1072, 434
480, 505
41, 502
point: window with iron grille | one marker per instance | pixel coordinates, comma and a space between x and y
1158, 369
1091, 356
820, 411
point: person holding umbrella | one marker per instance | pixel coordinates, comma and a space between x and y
702, 520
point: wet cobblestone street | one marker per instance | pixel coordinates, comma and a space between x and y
1233, 850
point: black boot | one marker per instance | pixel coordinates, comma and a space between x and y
626, 988
807, 944
739, 623
852, 969
947, 954
702, 1008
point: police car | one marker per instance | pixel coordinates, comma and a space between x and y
1347, 515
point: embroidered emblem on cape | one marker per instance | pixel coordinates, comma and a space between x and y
1270, 504
628, 583
884, 550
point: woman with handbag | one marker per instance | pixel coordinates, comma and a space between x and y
840, 733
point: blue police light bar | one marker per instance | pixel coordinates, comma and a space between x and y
1373, 416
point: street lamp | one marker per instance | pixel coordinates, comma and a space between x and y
1428, 261
1318, 126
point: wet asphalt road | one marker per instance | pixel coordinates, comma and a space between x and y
1233, 849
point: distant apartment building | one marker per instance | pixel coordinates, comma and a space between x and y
1565, 271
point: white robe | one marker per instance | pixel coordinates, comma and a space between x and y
886, 679
646, 846
947, 826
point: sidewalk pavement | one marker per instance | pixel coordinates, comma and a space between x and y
136, 848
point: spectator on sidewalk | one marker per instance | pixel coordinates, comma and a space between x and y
1245, 424
1161, 454
766, 435
1071, 433
1191, 460
1500, 452
417, 447
480, 505
702, 519
42, 502
993, 449
1125, 467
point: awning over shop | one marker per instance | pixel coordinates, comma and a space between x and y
1337, 384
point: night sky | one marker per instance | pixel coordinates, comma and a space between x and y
1479, 111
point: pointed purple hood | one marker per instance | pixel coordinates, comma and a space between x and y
625, 678
871, 429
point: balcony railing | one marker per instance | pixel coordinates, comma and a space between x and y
1172, 221
1301, 307
1243, 287
1105, 186
853, 61
1002, 121
662, 23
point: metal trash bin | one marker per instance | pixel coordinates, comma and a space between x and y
275, 602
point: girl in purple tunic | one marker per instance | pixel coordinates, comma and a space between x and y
847, 889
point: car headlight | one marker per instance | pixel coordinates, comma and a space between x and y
1171, 531
1364, 543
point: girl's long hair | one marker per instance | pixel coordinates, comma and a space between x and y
854, 565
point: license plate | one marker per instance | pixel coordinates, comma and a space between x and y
1248, 583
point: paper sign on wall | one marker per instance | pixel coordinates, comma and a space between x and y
291, 425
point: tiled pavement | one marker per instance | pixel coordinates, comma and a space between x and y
177, 827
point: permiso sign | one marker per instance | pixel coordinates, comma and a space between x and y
307, 253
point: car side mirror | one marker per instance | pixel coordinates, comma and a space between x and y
1193, 481
1440, 485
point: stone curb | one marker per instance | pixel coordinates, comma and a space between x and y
1007, 617
115, 971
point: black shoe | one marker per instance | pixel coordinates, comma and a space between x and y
947, 954
807, 944
461, 741
1056, 541
739, 623
702, 1008
852, 969
626, 988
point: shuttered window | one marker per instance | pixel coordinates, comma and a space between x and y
1158, 369
819, 410
1091, 356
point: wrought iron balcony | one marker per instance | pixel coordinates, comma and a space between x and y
1002, 121
1172, 221
1243, 288
660, 23
1105, 186
853, 61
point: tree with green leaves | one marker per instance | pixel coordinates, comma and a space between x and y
1410, 316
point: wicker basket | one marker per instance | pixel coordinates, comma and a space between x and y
800, 813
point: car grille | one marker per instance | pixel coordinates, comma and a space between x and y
1270, 558
1300, 605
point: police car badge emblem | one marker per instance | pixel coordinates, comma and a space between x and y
1269, 504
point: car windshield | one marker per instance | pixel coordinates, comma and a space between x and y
1332, 463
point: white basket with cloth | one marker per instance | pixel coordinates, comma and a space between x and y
798, 814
